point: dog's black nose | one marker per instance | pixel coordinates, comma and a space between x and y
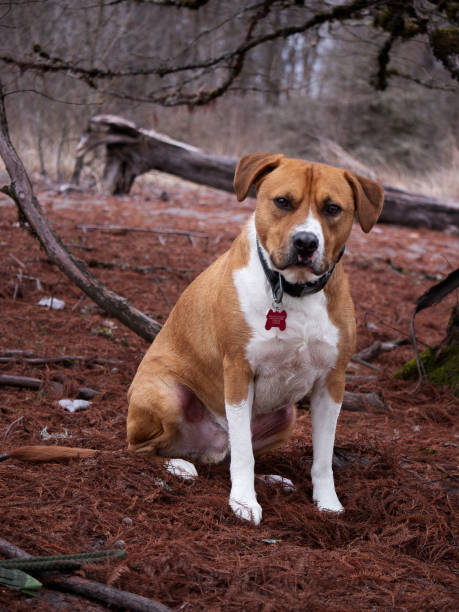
305, 243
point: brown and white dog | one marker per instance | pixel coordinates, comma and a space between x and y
267, 323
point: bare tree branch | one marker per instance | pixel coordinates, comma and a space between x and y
233, 59
189, 4
381, 80
402, 20
31, 212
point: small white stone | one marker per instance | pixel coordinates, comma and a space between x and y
74, 405
372, 326
52, 302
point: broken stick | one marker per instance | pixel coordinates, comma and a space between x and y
27, 382
65, 359
89, 588
360, 402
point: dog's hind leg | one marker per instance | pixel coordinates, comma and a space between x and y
154, 414
153, 426
166, 419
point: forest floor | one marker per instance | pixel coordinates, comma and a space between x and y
392, 549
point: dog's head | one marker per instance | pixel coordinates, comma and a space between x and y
305, 210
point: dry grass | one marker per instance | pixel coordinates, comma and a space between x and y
441, 182
236, 126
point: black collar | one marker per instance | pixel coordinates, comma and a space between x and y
280, 285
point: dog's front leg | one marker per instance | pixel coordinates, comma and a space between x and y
238, 405
325, 412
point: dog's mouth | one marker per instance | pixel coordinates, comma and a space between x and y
297, 262
305, 261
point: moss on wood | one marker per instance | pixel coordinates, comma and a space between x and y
445, 42
441, 364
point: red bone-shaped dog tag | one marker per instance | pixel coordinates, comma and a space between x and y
276, 318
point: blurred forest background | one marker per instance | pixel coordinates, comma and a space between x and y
363, 86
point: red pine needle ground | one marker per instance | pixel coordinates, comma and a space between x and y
393, 548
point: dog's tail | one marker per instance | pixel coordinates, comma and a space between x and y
42, 454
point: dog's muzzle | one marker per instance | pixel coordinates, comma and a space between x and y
303, 252
304, 247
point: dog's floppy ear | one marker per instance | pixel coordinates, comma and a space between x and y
251, 168
369, 198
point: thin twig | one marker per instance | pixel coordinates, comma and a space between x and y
11, 425
78, 302
121, 228
419, 364
17, 285
18, 261
160, 289
110, 265
356, 359
38, 284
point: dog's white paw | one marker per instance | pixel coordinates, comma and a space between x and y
274, 479
181, 467
249, 510
327, 501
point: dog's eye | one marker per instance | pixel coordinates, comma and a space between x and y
332, 209
283, 203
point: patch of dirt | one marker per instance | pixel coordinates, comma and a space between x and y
393, 548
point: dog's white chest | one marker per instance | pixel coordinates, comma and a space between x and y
287, 363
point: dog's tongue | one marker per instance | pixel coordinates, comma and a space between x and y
307, 260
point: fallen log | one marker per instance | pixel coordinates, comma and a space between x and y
64, 359
360, 402
132, 151
27, 382
374, 350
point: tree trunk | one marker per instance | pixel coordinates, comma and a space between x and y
131, 151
